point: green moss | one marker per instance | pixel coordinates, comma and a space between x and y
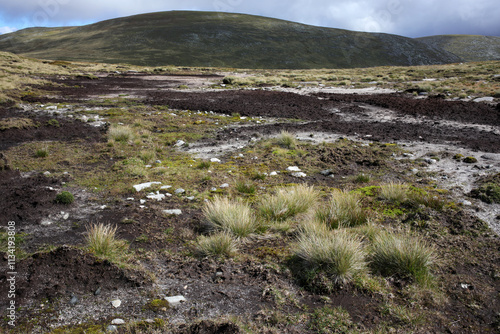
328, 320
157, 305
64, 197
470, 160
367, 191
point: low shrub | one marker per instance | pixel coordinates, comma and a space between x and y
394, 192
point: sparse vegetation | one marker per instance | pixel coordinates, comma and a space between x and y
394, 192
121, 133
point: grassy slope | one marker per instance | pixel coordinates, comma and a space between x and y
220, 39
467, 47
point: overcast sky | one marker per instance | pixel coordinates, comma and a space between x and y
402, 17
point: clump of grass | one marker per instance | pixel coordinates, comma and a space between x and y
203, 165
101, 240
121, 133
394, 192
286, 140
338, 254
217, 245
362, 178
42, 153
393, 254
429, 200
245, 187
64, 197
232, 216
343, 210
287, 202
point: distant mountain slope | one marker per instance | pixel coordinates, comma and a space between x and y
220, 39
467, 47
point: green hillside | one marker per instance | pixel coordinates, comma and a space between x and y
191, 38
467, 47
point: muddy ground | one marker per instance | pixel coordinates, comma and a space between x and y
425, 127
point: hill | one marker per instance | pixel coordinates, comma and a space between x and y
191, 38
467, 47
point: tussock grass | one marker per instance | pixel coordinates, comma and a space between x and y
394, 192
338, 254
393, 254
217, 245
287, 202
121, 133
101, 240
245, 187
343, 210
232, 216
286, 140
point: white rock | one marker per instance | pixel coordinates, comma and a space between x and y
65, 215
111, 328
116, 303
225, 185
215, 160
273, 174
142, 186
299, 174
180, 191
165, 187
142, 201
213, 189
45, 222
157, 196
293, 169
176, 212
130, 199
191, 198
175, 300
102, 207
46, 173
484, 99
179, 143
118, 322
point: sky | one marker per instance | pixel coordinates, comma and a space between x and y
408, 18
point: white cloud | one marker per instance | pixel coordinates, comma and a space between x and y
6, 30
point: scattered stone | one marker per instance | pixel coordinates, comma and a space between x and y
116, 303
299, 174
430, 161
118, 322
408, 155
180, 191
414, 170
225, 185
46, 173
159, 197
213, 189
45, 222
142, 186
142, 201
65, 215
466, 202
165, 187
97, 292
175, 300
191, 198
179, 143
489, 156
74, 300
175, 212
215, 160
326, 172
111, 328
158, 162
130, 199
293, 169
273, 174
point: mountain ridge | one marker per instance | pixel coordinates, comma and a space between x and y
214, 39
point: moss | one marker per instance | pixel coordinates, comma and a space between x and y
470, 160
157, 305
64, 197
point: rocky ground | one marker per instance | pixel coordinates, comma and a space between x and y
62, 285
